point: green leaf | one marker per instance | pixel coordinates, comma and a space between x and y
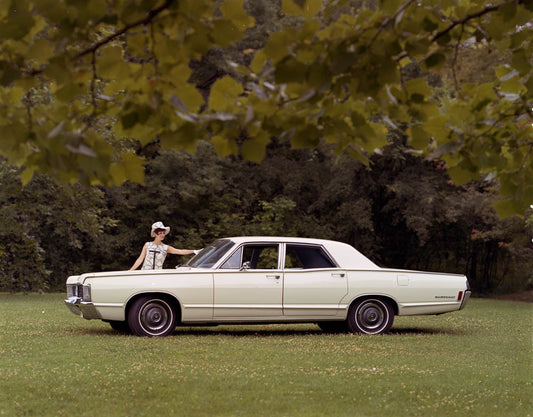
418, 90
484, 95
521, 62
137, 43
255, 149
130, 168
58, 70
505, 208
223, 146
461, 175
258, 61
276, 47
225, 33
41, 50
96, 10
234, 11
507, 10
306, 137
307, 8
134, 114
8, 73
27, 174
186, 137
224, 93
341, 62
437, 127
70, 91
512, 86
419, 138
435, 60
418, 47
111, 64
290, 70
18, 22
529, 85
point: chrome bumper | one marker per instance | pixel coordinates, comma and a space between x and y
466, 297
82, 308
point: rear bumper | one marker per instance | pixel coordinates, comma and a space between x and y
82, 308
466, 297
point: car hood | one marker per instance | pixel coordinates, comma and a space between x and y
79, 279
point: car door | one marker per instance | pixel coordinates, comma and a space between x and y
313, 284
249, 285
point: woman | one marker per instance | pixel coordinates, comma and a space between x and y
153, 254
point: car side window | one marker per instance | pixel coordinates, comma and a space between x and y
234, 262
255, 256
267, 258
306, 257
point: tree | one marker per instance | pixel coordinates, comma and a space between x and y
48, 231
71, 74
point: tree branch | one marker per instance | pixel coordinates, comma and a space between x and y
391, 19
465, 19
454, 65
149, 17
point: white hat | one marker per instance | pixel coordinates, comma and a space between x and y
159, 225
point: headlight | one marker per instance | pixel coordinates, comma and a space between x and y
79, 291
86, 292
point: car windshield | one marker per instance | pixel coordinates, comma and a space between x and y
211, 254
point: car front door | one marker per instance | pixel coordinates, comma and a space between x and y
249, 285
313, 284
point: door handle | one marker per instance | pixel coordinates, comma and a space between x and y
273, 276
338, 275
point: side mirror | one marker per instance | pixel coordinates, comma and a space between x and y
246, 266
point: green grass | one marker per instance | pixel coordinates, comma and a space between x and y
476, 362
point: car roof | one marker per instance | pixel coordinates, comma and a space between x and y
280, 239
345, 255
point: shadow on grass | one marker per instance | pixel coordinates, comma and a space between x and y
283, 332
420, 331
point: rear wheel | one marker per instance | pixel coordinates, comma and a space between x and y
152, 316
370, 316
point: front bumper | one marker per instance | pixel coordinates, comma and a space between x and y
82, 308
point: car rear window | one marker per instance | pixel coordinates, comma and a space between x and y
306, 257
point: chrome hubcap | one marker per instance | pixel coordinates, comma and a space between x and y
371, 316
155, 316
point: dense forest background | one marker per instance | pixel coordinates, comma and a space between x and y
402, 211
399, 207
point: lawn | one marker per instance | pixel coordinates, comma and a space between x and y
476, 362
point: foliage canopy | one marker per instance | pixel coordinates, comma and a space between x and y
75, 76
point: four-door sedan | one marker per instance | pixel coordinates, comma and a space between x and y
265, 280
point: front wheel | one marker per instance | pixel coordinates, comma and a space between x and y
152, 316
370, 316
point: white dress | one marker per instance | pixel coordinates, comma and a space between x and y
155, 256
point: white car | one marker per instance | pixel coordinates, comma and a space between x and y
265, 280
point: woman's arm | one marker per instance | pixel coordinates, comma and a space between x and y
140, 259
175, 251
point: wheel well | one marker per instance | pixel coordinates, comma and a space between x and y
167, 297
385, 298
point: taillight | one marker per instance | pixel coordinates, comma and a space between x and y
460, 296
